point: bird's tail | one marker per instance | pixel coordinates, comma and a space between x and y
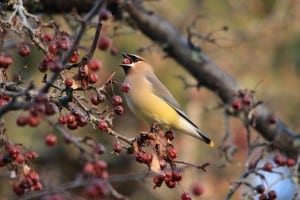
205, 139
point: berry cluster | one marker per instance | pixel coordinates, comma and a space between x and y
97, 171
73, 120
263, 195
40, 106
17, 159
244, 101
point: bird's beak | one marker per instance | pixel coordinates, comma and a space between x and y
127, 60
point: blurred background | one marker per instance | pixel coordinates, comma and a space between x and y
260, 50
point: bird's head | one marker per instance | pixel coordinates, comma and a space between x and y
132, 64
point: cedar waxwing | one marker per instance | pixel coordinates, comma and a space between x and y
149, 99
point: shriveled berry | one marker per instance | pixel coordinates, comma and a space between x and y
170, 135
24, 50
92, 78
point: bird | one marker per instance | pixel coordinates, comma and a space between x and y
149, 99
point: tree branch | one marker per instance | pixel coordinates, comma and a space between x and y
207, 73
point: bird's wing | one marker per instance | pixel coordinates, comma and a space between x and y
161, 91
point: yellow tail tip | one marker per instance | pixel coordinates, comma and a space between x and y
211, 144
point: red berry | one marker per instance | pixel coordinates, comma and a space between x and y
119, 110
263, 197
105, 14
279, 160
64, 43
114, 50
172, 153
24, 50
102, 125
260, 189
75, 56
176, 175
62, 120
68, 82
31, 155
50, 108
95, 100
89, 168
47, 38
104, 42
272, 195
70, 118
157, 180
5, 61
186, 196
33, 121
100, 165
170, 183
170, 135
268, 166
55, 66
22, 120
125, 87
163, 164
197, 189
95, 64
53, 48
20, 158
237, 104
72, 126
13, 150
117, 100
17, 189
290, 162
93, 78
117, 147
50, 139
33, 176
